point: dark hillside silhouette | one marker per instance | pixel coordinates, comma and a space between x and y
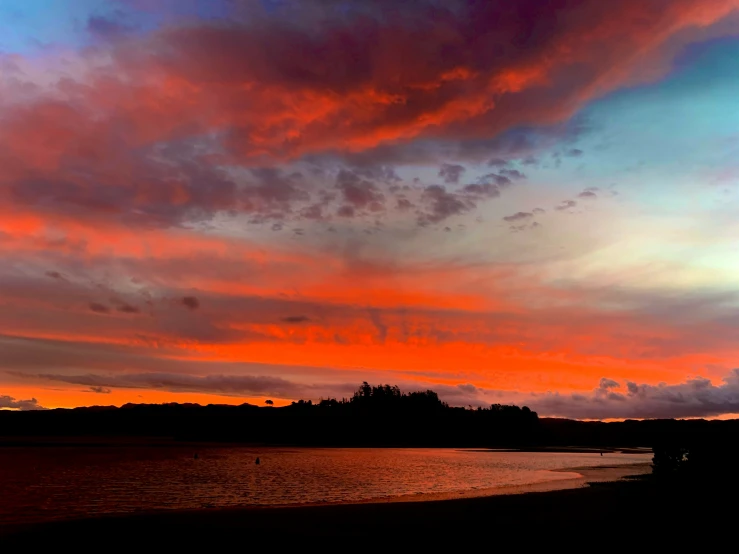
381, 416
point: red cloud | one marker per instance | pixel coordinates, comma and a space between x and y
144, 135
466, 69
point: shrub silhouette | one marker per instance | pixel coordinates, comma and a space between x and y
669, 460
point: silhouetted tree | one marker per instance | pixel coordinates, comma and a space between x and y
669, 460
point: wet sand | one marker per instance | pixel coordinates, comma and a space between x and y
597, 506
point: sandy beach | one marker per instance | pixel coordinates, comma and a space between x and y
597, 503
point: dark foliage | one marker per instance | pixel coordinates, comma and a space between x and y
697, 460
373, 416
669, 460
687, 450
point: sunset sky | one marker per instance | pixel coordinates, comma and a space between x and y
224, 201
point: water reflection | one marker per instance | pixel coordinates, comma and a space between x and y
48, 483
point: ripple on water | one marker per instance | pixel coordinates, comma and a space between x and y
38, 484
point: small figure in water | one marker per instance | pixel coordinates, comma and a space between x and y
257, 462
196, 456
601, 453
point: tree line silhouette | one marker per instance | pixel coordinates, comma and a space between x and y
384, 416
374, 416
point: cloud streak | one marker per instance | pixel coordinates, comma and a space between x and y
229, 385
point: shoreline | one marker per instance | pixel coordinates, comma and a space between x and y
234, 518
95, 441
637, 510
624, 514
577, 477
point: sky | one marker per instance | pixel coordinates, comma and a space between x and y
237, 200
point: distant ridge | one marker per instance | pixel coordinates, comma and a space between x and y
373, 416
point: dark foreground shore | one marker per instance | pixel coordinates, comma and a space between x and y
626, 514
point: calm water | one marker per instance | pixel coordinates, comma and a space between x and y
39, 484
